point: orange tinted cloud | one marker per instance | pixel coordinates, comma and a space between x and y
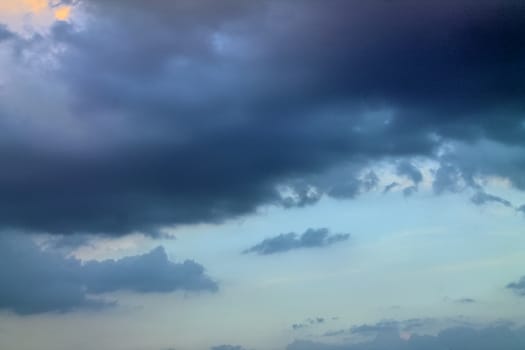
22, 6
62, 13
37, 6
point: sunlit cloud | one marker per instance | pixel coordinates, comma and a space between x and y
17, 7
63, 13
37, 6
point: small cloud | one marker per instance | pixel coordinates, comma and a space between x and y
518, 287
482, 198
311, 238
390, 187
466, 301
408, 191
308, 323
227, 347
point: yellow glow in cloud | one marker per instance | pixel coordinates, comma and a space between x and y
36, 6
62, 14
22, 6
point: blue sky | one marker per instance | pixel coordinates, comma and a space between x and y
262, 175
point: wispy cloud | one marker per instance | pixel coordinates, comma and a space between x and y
311, 238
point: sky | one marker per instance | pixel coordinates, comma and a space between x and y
262, 175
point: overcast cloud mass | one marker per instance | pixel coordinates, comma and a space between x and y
184, 112
245, 128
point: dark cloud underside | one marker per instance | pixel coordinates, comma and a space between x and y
192, 112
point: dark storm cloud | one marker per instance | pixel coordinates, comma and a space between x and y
518, 287
481, 198
311, 238
459, 338
36, 281
195, 111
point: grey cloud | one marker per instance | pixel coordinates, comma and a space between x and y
151, 272
408, 191
353, 186
390, 186
383, 326
36, 281
518, 287
227, 347
410, 171
303, 195
482, 198
466, 301
5, 33
179, 93
447, 178
68, 243
311, 238
521, 209
347, 189
458, 338
308, 323
370, 181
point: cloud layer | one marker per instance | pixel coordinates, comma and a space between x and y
458, 338
36, 281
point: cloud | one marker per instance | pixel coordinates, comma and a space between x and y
390, 186
457, 338
38, 281
311, 238
376, 328
482, 198
408, 170
158, 129
408, 191
308, 323
466, 301
518, 287
5, 33
227, 347
447, 178
521, 209
151, 272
